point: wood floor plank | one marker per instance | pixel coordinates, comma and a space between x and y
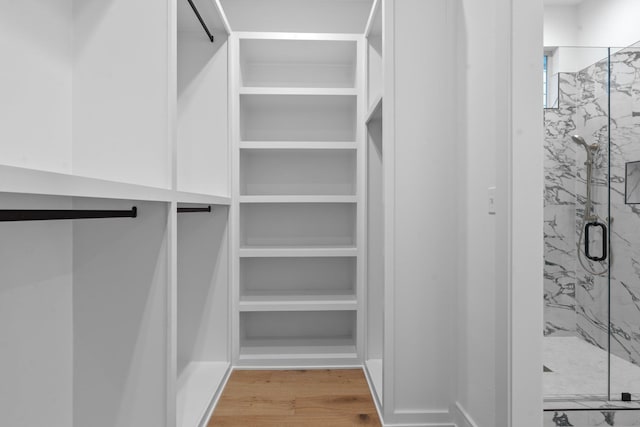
324, 397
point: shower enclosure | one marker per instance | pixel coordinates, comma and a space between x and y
592, 255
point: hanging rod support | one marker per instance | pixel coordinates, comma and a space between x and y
48, 215
195, 10
191, 210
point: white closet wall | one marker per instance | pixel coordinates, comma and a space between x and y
411, 270
36, 317
120, 276
120, 91
36, 84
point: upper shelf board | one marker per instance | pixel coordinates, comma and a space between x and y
29, 181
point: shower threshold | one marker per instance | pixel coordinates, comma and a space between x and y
579, 376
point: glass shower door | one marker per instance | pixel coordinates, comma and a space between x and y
624, 190
576, 309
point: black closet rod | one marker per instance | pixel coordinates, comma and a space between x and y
47, 215
191, 210
195, 10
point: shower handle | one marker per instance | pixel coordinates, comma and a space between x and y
603, 228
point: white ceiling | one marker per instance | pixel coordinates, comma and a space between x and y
305, 16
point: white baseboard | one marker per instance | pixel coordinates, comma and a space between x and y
216, 398
462, 417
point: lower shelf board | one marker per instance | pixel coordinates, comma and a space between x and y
327, 302
298, 252
374, 368
310, 349
197, 386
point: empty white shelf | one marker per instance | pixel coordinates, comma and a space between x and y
297, 91
298, 303
298, 63
303, 334
297, 278
298, 199
298, 145
294, 172
301, 252
284, 349
198, 385
298, 117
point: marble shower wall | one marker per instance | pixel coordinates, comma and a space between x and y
576, 301
559, 212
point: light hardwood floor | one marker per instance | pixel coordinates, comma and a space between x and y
336, 397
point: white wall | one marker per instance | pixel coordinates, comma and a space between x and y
593, 23
203, 147
560, 25
477, 56
36, 330
419, 146
120, 269
499, 257
608, 23
120, 91
35, 83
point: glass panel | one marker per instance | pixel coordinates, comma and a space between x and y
576, 289
625, 225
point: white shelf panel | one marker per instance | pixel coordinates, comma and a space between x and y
375, 112
298, 252
298, 349
198, 385
298, 199
202, 199
29, 181
298, 145
374, 368
298, 303
297, 91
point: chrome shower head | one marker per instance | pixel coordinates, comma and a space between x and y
579, 140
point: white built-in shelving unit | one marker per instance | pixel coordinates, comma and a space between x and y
106, 106
297, 105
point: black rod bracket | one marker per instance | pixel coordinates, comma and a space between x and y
206, 29
192, 210
49, 215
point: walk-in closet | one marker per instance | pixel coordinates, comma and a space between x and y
194, 188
